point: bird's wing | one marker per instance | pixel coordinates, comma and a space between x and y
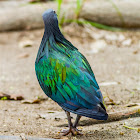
69, 79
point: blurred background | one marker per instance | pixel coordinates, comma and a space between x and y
107, 32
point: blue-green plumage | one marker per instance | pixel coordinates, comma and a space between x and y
65, 75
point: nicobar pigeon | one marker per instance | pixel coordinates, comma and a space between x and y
65, 76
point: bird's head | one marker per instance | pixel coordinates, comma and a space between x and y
51, 25
50, 18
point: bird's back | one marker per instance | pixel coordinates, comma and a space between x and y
66, 77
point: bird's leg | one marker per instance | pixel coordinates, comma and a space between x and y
74, 130
66, 132
76, 121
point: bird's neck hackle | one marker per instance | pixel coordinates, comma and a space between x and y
54, 39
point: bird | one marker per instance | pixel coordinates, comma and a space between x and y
66, 77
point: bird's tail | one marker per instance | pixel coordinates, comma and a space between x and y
98, 112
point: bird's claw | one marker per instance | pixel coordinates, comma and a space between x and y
74, 132
65, 132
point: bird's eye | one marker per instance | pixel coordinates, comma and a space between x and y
54, 12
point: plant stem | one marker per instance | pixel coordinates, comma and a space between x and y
118, 12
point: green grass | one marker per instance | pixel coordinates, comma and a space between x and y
94, 24
79, 4
4, 98
133, 128
59, 3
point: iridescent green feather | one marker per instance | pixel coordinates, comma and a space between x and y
65, 74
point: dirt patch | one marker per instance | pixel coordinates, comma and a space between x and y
115, 60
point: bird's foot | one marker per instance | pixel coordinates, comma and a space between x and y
75, 132
65, 132
72, 130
